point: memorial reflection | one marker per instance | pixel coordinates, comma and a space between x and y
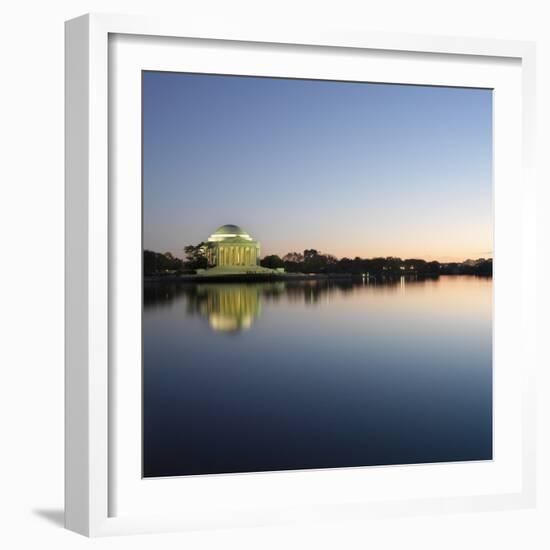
228, 308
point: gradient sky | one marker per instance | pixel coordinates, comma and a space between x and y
351, 169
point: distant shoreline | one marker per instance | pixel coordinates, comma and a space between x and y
310, 264
244, 277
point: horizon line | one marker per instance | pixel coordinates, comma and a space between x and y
473, 258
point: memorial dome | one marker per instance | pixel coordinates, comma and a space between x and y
229, 231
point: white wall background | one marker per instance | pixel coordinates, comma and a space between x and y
31, 268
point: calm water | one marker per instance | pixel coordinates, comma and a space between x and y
323, 374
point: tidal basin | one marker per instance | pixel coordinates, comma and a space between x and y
286, 375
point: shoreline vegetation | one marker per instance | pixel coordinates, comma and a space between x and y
311, 264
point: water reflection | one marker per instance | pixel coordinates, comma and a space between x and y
234, 307
316, 374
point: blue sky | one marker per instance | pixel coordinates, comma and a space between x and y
351, 169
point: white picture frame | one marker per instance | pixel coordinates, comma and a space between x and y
93, 219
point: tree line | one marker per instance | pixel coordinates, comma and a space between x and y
155, 263
313, 261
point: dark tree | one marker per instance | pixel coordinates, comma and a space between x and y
155, 263
294, 257
272, 262
196, 256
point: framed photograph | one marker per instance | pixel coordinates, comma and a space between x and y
297, 276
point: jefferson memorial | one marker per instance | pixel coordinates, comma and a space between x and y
231, 245
231, 250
